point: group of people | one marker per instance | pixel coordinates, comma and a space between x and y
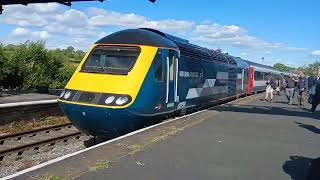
301, 85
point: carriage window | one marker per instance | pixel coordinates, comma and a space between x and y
258, 76
158, 67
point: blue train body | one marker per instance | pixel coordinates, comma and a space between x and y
179, 79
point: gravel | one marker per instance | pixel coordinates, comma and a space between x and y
9, 165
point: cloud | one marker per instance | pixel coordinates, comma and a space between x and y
61, 26
23, 33
243, 54
34, 15
217, 34
103, 18
20, 32
73, 18
316, 52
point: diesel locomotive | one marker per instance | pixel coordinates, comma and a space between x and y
133, 76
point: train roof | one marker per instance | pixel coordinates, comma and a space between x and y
138, 37
195, 51
241, 62
264, 68
152, 37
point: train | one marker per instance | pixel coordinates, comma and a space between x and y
134, 76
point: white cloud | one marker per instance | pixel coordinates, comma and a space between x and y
267, 52
60, 26
45, 8
243, 54
233, 35
32, 35
73, 18
316, 52
103, 18
20, 32
70, 25
35, 15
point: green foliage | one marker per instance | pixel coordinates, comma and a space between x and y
283, 67
310, 69
30, 65
2, 62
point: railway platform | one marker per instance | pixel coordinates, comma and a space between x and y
246, 139
25, 97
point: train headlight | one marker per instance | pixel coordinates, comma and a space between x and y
67, 95
62, 94
121, 100
109, 99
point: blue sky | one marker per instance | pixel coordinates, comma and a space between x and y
286, 31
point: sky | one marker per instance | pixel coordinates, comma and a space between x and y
280, 31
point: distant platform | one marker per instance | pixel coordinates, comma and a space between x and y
247, 139
9, 98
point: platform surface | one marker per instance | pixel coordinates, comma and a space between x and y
248, 139
26, 97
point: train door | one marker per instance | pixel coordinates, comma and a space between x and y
172, 79
242, 79
232, 81
251, 79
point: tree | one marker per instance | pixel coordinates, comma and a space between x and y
283, 67
2, 65
69, 52
311, 69
31, 65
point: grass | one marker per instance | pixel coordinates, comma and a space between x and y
101, 165
165, 136
53, 177
134, 148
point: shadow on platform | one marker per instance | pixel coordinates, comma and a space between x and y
269, 109
309, 127
297, 167
302, 168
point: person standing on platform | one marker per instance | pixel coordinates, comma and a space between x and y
270, 86
316, 96
302, 88
278, 88
290, 81
311, 87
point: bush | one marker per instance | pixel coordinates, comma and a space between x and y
30, 65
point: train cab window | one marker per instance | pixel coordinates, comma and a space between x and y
111, 59
158, 66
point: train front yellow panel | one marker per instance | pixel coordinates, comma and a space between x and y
114, 83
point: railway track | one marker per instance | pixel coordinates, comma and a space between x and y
19, 143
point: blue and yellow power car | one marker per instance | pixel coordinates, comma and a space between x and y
134, 76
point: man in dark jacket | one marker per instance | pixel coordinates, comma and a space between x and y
316, 97
302, 88
290, 81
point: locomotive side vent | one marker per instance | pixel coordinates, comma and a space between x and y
194, 51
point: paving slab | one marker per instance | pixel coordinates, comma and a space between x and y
248, 139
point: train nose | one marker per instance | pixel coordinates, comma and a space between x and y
96, 121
